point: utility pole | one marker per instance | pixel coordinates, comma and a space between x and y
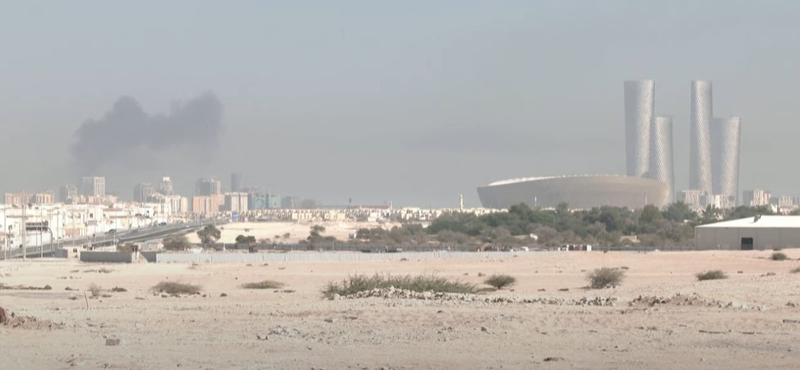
6, 252
22, 227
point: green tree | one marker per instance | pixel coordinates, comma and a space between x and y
650, 215
209, 235
679, 212
249, 239
315, 235
176, 243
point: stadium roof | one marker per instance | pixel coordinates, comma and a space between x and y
524, 179
763, 222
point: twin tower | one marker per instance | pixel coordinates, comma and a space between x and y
714, 142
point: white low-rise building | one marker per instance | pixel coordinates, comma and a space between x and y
760, 233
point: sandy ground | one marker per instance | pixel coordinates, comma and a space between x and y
222, 332
297, 230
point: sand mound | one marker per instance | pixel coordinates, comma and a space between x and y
26, 322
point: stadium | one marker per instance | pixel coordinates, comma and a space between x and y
579, 192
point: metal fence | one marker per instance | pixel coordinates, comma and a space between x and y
328, 256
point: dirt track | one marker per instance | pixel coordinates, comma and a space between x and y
302, 331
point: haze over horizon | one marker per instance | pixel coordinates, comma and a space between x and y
413, 102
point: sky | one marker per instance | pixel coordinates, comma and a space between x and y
413, 102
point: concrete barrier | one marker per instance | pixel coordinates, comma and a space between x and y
109, 257
328, 256
150, 256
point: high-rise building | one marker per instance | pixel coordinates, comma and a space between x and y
93, 186
166, 186
207, 204
725, 140
700, 176
290, 202
236, 182
236, 202
209, 186
143, 192
68, 194
661, 163
690, 197
639, 111
755, 197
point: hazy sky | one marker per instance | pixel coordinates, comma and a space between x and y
413, 102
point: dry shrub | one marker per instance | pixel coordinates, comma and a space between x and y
795, 270
170, 287
501, 281
117, 289
778, 256
266, 284
605, 277
95, 290
711, 275
421, 283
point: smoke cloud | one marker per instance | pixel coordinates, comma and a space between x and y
126, 131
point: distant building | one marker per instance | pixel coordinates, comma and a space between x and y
263, 200
661, 164
236, 202
691, 197
209, 186
18, 199
700, 176
579, 192
207, 204
755, 198
93, 186
639, 114
291, 202
783, 201
179, 204
166, 186
143, 192
236, 182
720, 201
68, 194
725, 140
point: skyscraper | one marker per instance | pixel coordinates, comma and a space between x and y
93, 186
67, 193
209, 186
166, 186
639, 108
725, 141
142, 192
661, 163
700, 177
236, 182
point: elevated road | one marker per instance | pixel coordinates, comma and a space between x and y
105, 240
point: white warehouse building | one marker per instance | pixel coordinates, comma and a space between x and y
760, 233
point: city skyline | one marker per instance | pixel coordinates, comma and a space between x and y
412, 105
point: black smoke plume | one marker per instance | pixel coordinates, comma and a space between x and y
193, 127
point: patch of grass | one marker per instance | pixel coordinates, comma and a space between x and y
170, 287
266, 284
711, 275
795, 270
778, 256
117, 289
95, 290
421, 283
605, 277
501, 281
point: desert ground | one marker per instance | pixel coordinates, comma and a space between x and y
737, 323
